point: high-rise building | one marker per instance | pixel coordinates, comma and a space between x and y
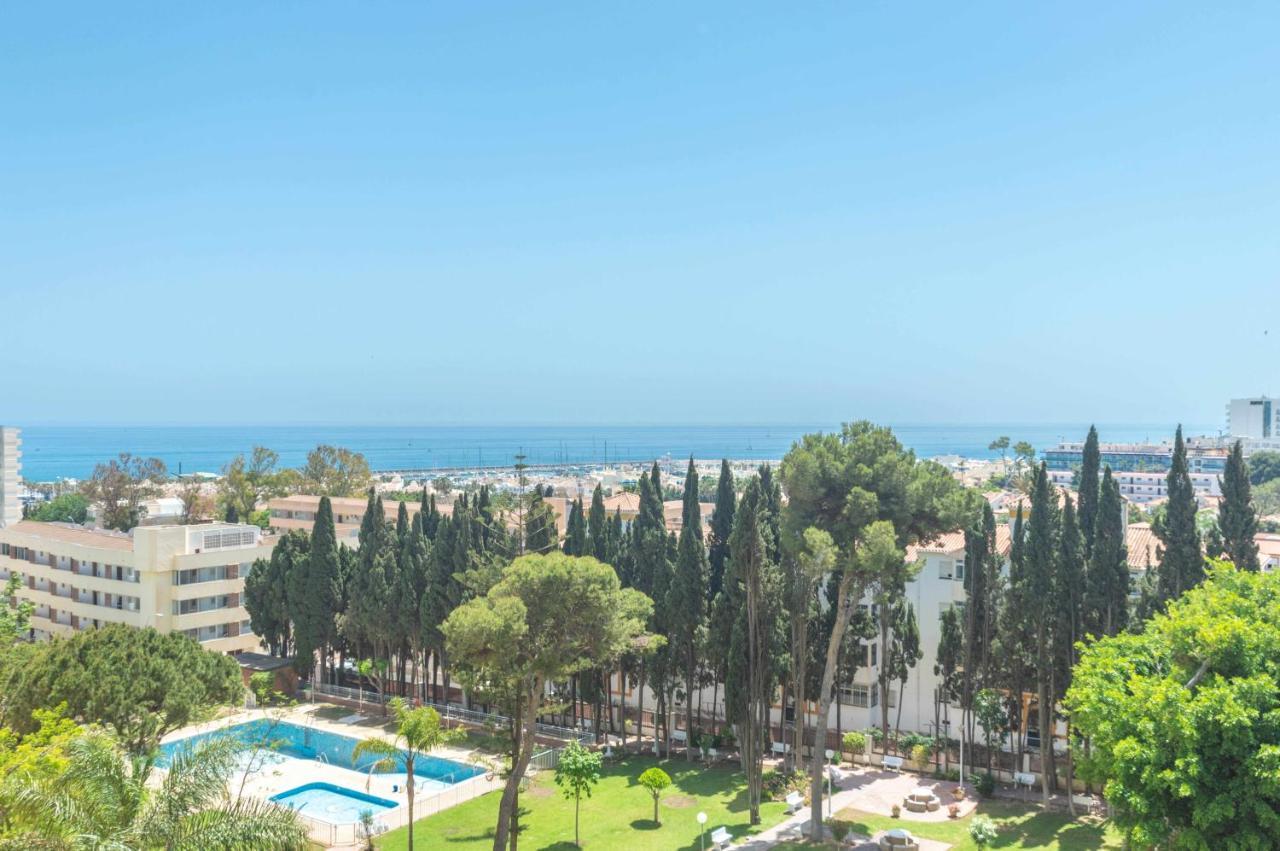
10, 475
1254, 419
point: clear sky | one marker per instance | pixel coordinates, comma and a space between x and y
642, 212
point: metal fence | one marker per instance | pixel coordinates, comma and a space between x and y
452, 712
423, 805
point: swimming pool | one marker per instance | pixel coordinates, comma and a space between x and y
334, 804
287, 740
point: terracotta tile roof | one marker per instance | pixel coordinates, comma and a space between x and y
1141, 540
628, 502
67, 533
953, 542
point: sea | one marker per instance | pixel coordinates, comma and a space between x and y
61, 452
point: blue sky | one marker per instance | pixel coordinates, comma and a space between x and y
631, 213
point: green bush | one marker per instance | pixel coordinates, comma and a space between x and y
982, 830
985, 784
854, 742
776, 785
921, 755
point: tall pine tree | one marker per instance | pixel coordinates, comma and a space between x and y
598, 527
721, 527
575, 538
1237, 521
686, 601
1041, 568
1107, 578
1181, 560
1088, 488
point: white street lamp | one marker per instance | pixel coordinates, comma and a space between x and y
830, 755
702, 829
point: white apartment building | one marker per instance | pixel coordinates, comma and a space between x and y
1144, 487
10, 475
186, 579
938, 586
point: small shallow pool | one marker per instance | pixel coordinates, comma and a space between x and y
333, 804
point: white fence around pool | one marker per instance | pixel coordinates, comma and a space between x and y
423, 806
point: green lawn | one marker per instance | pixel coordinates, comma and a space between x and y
1022, 826
619, 813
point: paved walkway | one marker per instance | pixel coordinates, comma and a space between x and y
875, 791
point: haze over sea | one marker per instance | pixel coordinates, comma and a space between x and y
54, 452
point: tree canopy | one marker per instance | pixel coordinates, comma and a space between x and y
1182, 717
138, 682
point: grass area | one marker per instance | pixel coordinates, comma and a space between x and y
1022, 826
619, 814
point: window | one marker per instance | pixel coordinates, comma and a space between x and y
856, 695
200, 574
959, 572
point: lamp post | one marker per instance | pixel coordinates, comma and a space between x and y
702, 830
830, 755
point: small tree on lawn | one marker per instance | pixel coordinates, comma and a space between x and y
982, 830
418, 732
655, 780
578, 771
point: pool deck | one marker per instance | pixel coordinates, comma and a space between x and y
267, 777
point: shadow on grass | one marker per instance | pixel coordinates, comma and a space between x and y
645, 824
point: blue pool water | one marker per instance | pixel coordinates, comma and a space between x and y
307, 743
333, 804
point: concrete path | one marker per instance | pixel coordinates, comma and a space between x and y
873, 791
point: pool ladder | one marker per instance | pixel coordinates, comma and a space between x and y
322, 758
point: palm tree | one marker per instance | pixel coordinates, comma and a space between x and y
102, 800
418, 732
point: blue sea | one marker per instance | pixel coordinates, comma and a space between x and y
55, 452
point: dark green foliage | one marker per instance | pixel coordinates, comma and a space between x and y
721, 527
686, 600
1264, 467
541, 534
598, 528
575, 539
1107, 596
137, 682
1237, 521
1181, 560
67, 508
1087, 487
266, 597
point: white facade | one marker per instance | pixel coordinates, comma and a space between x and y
186, 579
10, 475
938, 586
1256, 419
1144, 487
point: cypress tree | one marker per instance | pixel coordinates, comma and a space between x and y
721, 528
1107, 597
1181, 560
575, 539
1088, 488
686, 601
598, 527
1041, 567
981, 581
324, 579
402, 521
1237, 521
